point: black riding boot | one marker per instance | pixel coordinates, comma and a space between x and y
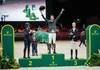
49, 48
76, 52
28, 52
24, 53
54, 48
71, 54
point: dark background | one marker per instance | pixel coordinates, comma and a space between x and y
88, 11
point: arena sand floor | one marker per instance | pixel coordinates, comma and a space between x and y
62, 47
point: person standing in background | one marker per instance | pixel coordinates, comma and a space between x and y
34, 43
83, 38
74, 38
27, 40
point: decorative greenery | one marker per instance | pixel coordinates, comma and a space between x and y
6, 63
94, 60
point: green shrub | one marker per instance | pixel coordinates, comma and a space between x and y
94, 60
6, 63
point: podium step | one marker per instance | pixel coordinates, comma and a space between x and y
53, 59
75, 62
50, 60
30, 62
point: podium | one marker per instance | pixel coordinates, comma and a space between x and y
50, 60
